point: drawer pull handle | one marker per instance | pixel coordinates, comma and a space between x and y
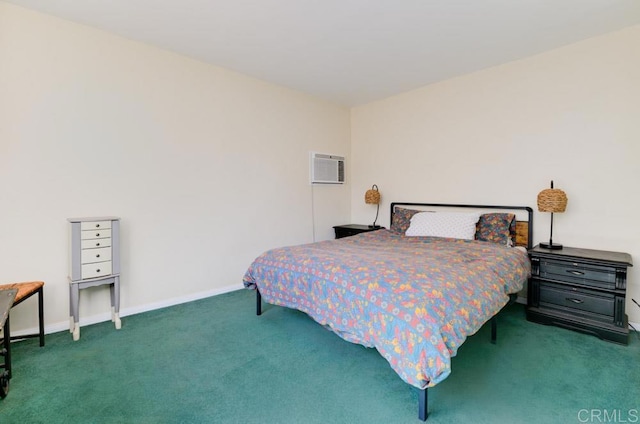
570, 271
97, 234
98, 255
574, 300
97, 225
97, 244
98, 270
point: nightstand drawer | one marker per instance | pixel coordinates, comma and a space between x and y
597, 276
349, 232
353, 229
598, 303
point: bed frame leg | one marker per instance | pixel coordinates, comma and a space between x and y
258, 303
494, 329
422, 405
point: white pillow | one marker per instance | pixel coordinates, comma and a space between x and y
458, 225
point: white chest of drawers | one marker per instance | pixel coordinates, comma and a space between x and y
94, 259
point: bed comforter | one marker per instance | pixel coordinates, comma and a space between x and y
415, 299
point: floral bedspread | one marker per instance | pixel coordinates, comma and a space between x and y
415, 299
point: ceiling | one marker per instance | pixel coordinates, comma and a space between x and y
351, 51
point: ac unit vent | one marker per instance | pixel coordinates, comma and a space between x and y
327, 169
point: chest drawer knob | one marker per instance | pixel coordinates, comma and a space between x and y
98, 255
574, 300
574, 272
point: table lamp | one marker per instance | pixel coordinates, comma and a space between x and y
372, 197
555, 201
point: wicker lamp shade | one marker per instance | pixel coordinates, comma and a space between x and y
552, 200
372, 196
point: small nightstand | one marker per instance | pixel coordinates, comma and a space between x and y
352, 229
580, 289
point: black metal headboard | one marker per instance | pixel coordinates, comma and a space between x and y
523, 228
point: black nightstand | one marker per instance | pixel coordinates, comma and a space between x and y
352, 229
580, 289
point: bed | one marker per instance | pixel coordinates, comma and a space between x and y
415, 291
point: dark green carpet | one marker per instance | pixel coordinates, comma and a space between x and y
215, 361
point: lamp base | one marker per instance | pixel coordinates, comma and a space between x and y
374, 226
551, 246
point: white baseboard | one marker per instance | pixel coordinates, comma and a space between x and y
94, 319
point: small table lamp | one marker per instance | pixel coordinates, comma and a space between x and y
372, 197
552, 200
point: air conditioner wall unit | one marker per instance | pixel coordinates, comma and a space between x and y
326, 169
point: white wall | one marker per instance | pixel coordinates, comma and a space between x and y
207, 168
500, 135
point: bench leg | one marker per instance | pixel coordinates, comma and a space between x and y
6, 333
41, 315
